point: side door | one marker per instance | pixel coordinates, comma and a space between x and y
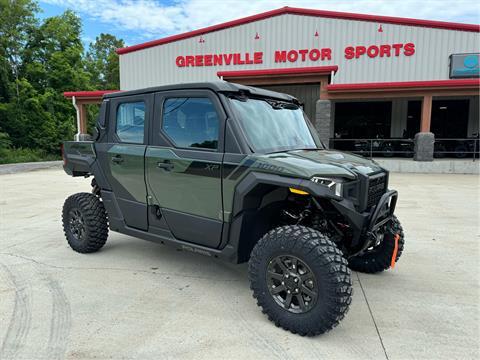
183, 164
123, 155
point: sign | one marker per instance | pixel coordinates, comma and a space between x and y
297, 55
464, 66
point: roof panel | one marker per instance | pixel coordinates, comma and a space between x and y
305, 12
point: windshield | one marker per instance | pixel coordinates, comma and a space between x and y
274, 126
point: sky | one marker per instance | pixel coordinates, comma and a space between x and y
137, 21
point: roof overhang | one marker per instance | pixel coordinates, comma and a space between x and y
88, 95
404, 86
313, 70
305, 12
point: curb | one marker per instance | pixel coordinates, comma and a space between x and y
30, 166
437, 166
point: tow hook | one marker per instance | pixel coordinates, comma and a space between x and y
395, 250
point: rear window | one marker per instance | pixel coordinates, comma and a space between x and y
131, 122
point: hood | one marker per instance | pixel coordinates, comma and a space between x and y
309, 163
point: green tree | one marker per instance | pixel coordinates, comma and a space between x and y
17, 19
5, 141
54, 54
102, 62
38, 62
52, 63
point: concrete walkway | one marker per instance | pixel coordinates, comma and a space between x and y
437, 166
136, 299
30, 166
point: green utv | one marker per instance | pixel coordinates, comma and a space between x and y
238, 173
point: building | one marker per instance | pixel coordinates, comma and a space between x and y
358, 76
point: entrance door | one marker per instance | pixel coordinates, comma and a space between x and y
183, 167
124, 155
307, 94
450, 118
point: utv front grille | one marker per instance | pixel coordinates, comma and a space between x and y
377, 185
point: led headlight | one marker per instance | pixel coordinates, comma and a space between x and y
334, 184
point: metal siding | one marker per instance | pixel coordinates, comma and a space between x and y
308, 94
156, 65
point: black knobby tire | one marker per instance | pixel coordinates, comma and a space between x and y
380, 257
327, 264
388, 151
461, 151
85, 222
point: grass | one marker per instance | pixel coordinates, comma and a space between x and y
20, 155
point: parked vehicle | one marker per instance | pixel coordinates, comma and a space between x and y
467, 147
376, 147
237, 173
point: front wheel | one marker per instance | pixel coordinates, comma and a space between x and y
300, 279
379, 257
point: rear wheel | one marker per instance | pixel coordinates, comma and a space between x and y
379, 257
85, 222
300, 279
461, 151
388, 151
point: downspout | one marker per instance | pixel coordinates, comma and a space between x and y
74, 102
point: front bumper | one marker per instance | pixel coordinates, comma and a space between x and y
383, 211
364, 224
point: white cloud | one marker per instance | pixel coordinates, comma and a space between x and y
154, 19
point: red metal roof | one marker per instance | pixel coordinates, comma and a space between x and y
305, 12
88, 94
285, 71
405, 85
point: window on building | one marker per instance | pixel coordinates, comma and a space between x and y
363, 120
191, 122
131, 122
414, 115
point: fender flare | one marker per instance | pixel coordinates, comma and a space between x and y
241, 213
254, 179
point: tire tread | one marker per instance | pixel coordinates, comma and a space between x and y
96, 221
320, 253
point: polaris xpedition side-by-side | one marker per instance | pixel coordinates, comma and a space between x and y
238, 173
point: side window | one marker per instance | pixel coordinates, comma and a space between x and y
191, 122
131, 122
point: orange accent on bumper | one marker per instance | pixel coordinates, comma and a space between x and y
395, 250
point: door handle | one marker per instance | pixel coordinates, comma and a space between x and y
166, 165
117, 159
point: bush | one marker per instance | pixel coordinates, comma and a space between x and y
5, 141
19, 155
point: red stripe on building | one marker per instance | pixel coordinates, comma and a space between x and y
88, 94
285, 71
405, 85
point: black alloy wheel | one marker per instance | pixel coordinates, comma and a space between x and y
292, 284
76, 224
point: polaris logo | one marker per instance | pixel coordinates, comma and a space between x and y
195, 250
